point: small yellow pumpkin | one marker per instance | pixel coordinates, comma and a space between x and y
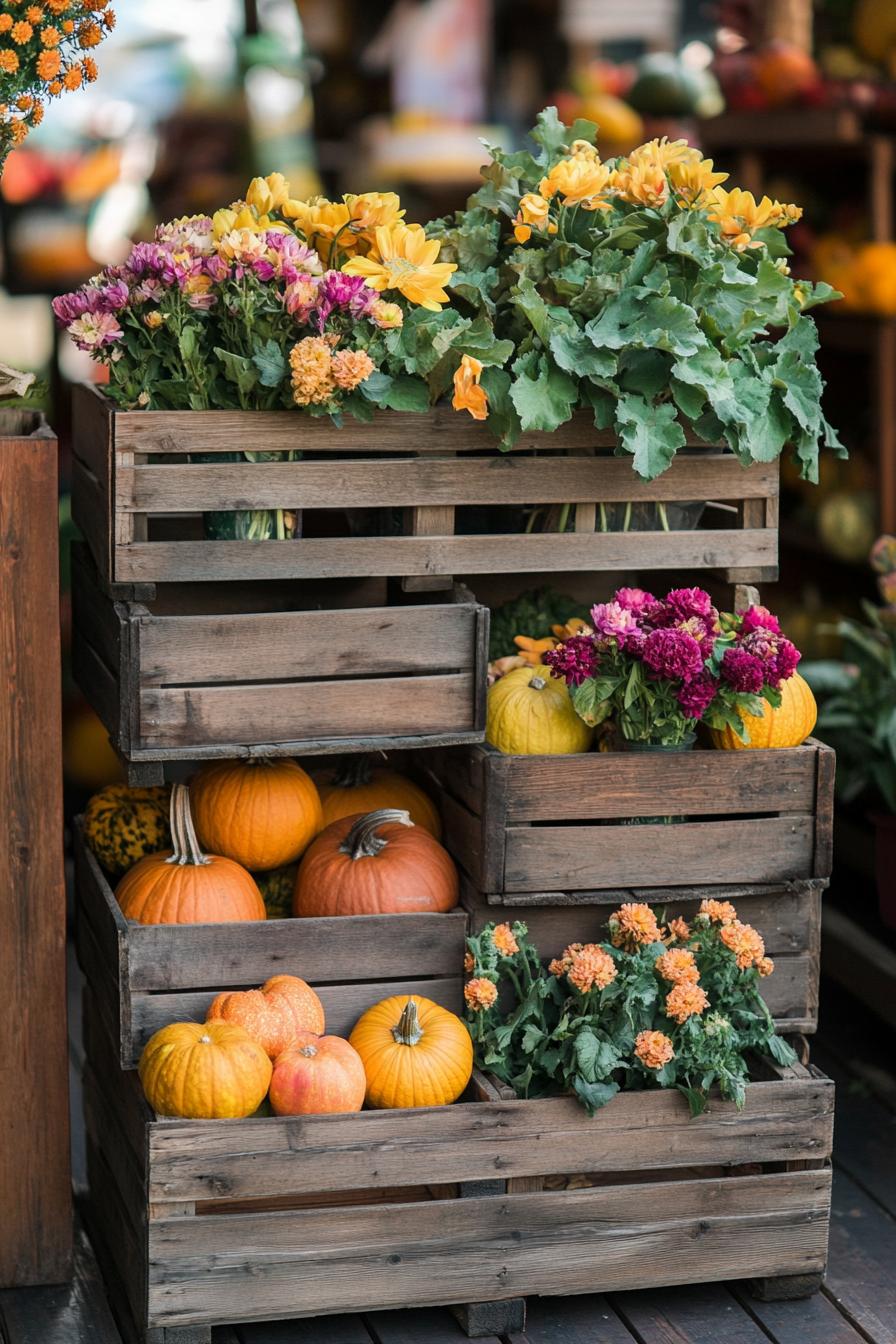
204, 1071
414, 1052
530, 713
787, 726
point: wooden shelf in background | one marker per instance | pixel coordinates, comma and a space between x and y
859, 962
784, 128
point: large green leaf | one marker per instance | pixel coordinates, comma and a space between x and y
545, 400
650, 433
573, 351
643, 320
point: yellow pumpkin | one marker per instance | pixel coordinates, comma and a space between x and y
204, 1071
530, 713
787, 726
414, 1052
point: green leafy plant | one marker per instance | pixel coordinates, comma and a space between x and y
674, 1007
638, 288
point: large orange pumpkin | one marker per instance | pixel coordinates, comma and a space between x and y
378, 864
415, 1053
275, 1015
210, 1071
787, 726
186, 886
261, 813
357, 786
318, 1075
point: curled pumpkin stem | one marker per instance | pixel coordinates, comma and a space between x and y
362, 841
183, 833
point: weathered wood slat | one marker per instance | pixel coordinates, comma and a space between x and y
326, 557
432, 481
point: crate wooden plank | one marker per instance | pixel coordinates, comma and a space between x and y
372, 642
327, 557
623, 1237
398, 706
432, 481
768, 850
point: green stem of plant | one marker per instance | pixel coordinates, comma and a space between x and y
602, 509
664, 520
564, 517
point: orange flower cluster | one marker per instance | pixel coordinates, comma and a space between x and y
678, 967
684, 1001
479, 994
745, 943
632, 926
654, 1049
718, 912
504, 940
592, 968
678, 929
45, 57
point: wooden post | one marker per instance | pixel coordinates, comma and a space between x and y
35, 1179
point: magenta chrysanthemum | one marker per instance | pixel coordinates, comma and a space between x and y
785, 662
673, 653
695, 696
635, 600
759, 618
743, 671
575, 659
687, 602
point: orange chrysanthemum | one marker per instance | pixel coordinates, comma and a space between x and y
654, 1049
718, 912
468, 395
351, 367
73, 78
632, 926
560, 965
679, 929
678, 967
683, 1001
765, 966
479, 994
469, 962
24, 103
22, 32
49, 63
88, 65
90, 34
312, 377
68, 27
19, 131
9, 61
34, 13
592, 968
50, 37
36, 114
58, 6
54, 87
744, 942
504, 941
5, 23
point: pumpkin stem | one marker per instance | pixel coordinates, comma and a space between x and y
537, 684
362, 841
353, 773
409, 1030
183, 834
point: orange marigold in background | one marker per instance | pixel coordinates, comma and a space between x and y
744, 942
468, 395
5, 23
654, 1049
49, 63
9, 62
50, 37
679, 929
765, 966
480, 994
560, 965
351, 367
678, 966
592, 968
504, 941
718, 912
685, 1001
72, 79
21, 33
632, 926
90, 34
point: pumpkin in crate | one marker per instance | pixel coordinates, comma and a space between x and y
122, 825
358, 786
378, 864
530, 713
318, 1075
275, 1016
261, 813
414, 1052
184, 885
788, 725
204, 1071
277, 886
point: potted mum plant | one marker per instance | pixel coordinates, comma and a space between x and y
657, 667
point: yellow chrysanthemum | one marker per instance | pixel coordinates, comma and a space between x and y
692, 179
468, 395
578, 181
740, 216
653, 1048
408, 262
266, 194
533, 213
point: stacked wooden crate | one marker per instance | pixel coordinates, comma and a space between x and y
191, 648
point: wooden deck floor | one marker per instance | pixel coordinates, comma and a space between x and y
858, 1302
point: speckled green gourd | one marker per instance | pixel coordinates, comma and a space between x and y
277, 886
122, 825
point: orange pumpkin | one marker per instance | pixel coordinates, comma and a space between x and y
262, 813
415, 1053
185, 886
378, 864
785, 726
318, 1075
211, 1071
275, 1015
357, 786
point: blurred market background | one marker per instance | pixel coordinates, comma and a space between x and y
792, 98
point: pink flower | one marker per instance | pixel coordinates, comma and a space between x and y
144, 259
575, 659
695, 696
350, 293
641, 604
149, 290
114, 297
94, 330
743, 671
759, 618
68, 308
687, 602
216, 267
674, 654
785, 663
613, 621
300, 297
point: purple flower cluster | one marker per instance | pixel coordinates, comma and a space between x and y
762, 657
576, 659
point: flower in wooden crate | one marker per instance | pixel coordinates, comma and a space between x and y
678, 929
684, 1001
404, 259
678, 966
744, 942
591, 968
765, 966
653, 1049
387, 316
504, 940
533, 212
693, 179
717, 912
480, 994
633, 925
350, 368
560, 965
581, 180
311, 361
468, 395
740, 216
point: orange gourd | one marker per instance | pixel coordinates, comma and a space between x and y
275, 1015
785, 726
262, 813
204, 1071
186, 886
357, 787
318, 1075
414, 1052
378, 864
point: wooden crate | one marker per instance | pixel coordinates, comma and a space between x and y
137, 497
145, 976
537, 828
788, 916
188, 677
201, 1223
